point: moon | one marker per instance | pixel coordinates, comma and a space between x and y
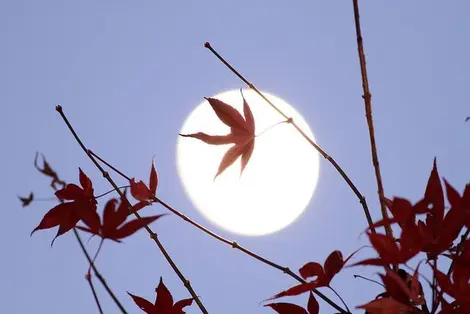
276, 185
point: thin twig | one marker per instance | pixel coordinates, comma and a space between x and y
152, 234
368, 107
346, 178
95, 296
337, 294
368, 279
110, 191
97, 273
232, 244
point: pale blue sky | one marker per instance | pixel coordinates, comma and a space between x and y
128, 73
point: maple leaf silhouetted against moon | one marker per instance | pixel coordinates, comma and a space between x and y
242, 133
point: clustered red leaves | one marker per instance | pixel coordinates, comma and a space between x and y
66, 215
163, 303
434, 236
83, 208
322, 278
112, 227
242, 133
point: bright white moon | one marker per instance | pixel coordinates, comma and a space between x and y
277, 183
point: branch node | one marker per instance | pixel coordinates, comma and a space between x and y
251, 86
235, 245
105, 174
362, 200
153, 236
290, 120
286, 270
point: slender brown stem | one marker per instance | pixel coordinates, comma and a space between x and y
95, 296
97, 273
330, 159
232, 244
152, 234
370, 122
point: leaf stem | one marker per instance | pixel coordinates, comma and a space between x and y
368, 279
272, 126
113, 190
370, 122
152, 234
95, 296
97, 273
232, 244
330, 159
337, 294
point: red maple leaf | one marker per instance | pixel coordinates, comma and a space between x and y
143, 193
385, 306
242, 133
48, 171
434, 235
323, 275
441, 229
67, 215
113, 219
289, 308
411, 242
458, 287
163, 302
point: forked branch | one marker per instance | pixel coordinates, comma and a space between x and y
330, 159
152, 234
232, 244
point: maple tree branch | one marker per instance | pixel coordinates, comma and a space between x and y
95, 296
232, 244
235, 245
330, 159
97, 273
153, 235
370, 122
